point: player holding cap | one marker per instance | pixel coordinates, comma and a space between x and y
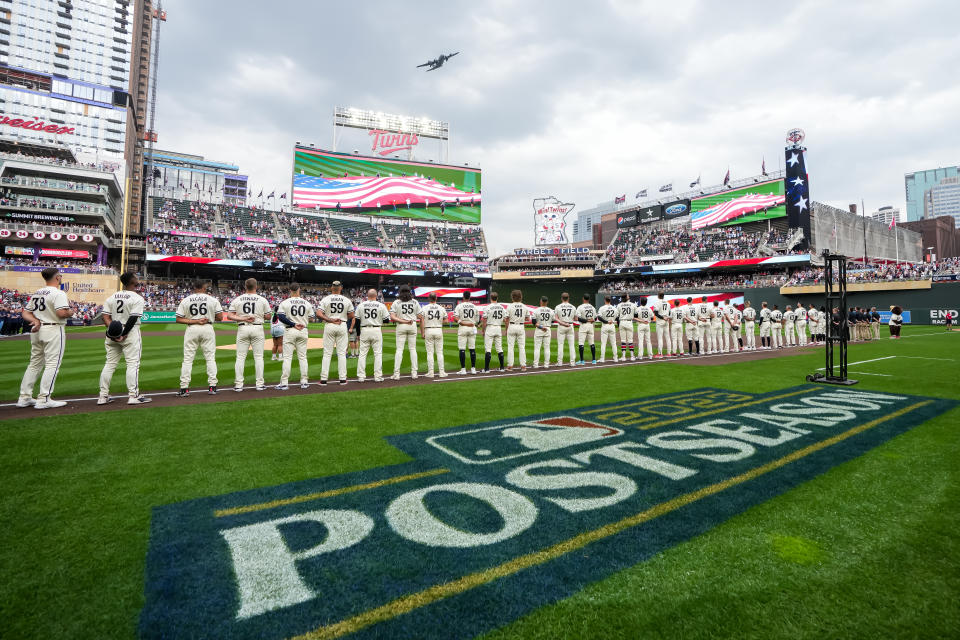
644, 317
124, 308
764, 326
372, 314
749, 316
249, 310
543, 321
626, 312
735, 319
467, 316
564, 314
776, 322
661, 310
46, 312
431, 328
336, 310
405, 313
294, 313
493, 317
517, 317
199, 311
586, 315
676, 327
607, 314
690, 323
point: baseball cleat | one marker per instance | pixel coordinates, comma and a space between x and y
183, 393
238, 389
323, 382
428, 374
462, 372
49, 404
442, 374
211, 391
283, 387
395, 376
473, 370
26, 402
344, 381
104, 400
378, 379
304, 385
261, 387
594, 362
139, 400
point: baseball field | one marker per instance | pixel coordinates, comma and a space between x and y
285, 516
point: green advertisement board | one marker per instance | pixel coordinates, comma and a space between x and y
159, 316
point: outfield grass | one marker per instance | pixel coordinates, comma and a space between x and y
868, 549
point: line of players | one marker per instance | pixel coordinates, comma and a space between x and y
708, 328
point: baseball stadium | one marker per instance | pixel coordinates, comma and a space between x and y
725, 412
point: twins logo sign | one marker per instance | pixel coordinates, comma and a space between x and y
490, 521
548, 222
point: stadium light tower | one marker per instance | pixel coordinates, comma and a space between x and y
378, 121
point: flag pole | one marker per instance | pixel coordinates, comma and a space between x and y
863, 214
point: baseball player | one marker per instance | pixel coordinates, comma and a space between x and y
723, 342
542, 321
813, 320
294, 314
644, 317
405, 313
676, 327
733, 329
372, 314
801, 314
626, 312
249, 310
776, 325
124, 307
199, 311
564, 314
789, 327
336, 310
716, 326
607, 314
764, 326
467, 316
703, 326
431, 329
749, 317
276, 337
586, 315
46, 312
493, 317
690, 323
517, 316
661, 310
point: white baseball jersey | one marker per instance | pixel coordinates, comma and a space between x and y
735, 316
123, 304
662, 307
690, 311
789, 316
764, 315
467, 312
297, 310
626, 311
406, 309
434, 316
517, 313
676, 315
336, 307
645, 315
494, 313
543, 317
199, 305
45, 302
565, 312
776, 315
703, 312
251, 304
749, 314
372, 313
716, 316
801, 314
729, 311
586, 313
607, 313
813, 315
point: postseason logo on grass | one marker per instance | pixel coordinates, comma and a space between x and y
493, 520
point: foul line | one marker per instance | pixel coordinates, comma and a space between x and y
862, 361
220, 513
414, 601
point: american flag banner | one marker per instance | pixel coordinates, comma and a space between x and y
310, 191
734, 209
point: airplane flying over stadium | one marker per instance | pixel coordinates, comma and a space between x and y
437, 63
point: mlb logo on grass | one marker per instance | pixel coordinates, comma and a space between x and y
522, 438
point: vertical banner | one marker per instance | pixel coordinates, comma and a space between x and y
796, 186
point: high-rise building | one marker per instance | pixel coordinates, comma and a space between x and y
932, 193
583, 224
191, 177
885, 215
67, 70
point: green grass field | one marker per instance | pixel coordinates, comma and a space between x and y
868, 549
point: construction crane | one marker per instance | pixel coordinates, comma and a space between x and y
159, 15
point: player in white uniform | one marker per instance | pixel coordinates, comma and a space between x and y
294, 313
46, 312
690, 324
493, 318
703, 326
564, 314
336, 310
542, 321
644, 317
586, 315
750, 337
517, 316
405, 313
468, 317
676, 327
789, 327
125, 307
716, 327
735, 320
431, 328
372, 314
249, 310
661, 309
764, 326
626, 312
801, 314
199, 311
814, 318
607, 315
776, 324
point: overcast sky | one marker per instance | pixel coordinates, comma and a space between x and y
583, 101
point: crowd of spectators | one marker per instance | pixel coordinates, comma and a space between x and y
60, 263
52, 183
12, 302
185, 246
639, 245
108, 167
52, 204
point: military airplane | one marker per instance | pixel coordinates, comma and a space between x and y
436, 64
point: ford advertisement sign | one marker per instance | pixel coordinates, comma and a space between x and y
676, 209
